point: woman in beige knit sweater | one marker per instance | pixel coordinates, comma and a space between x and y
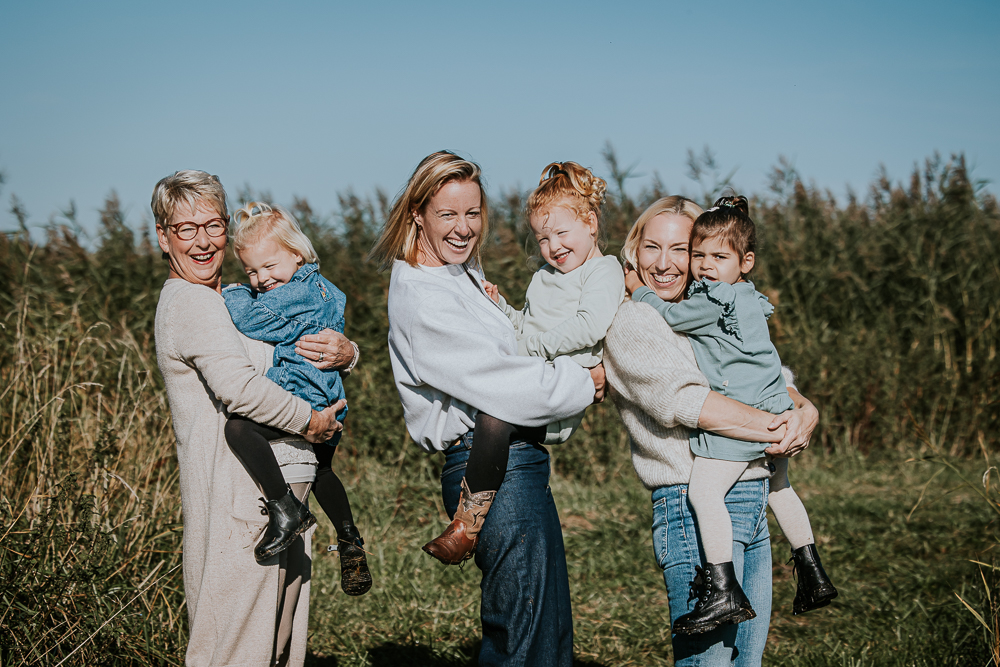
661, 395
239, 613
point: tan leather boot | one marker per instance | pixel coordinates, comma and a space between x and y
458, 541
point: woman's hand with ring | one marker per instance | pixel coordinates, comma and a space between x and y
326, 350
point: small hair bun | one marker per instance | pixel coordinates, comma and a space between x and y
250, 210
738, 202
578, 179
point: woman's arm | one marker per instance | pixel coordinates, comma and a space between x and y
726, 416
453, 353
205, 338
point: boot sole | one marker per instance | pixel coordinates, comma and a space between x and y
818, 603
446, 561
355, 577
733, 618
306, 525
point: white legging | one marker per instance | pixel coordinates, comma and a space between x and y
711, 479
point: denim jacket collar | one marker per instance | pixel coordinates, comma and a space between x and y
303, 273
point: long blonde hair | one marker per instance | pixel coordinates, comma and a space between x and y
398, 239
258, 220
675, 204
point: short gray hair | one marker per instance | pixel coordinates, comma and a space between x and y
191, 186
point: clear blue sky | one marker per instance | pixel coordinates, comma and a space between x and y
312, 98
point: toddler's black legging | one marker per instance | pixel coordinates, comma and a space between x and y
487, 463
250, 443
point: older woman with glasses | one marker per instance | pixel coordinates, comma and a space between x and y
239, 612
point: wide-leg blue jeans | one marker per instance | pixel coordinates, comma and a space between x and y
526, 613
678, 551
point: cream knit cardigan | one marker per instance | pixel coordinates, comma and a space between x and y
210, 369
659, 392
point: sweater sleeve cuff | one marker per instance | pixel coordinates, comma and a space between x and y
300, 420
690, 400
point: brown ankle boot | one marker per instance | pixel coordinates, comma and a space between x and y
458, 541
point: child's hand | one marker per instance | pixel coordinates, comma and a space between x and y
632, 280
600, 382
492, 290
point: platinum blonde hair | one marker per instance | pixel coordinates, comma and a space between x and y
190, 186
675, 204
257, 221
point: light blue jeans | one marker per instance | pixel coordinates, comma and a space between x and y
678, 551
525, 611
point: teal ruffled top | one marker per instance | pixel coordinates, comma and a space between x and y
727, 326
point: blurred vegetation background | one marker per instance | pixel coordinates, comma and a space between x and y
887, 310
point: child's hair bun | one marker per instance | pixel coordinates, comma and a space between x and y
252, 209
737, 202
592, 188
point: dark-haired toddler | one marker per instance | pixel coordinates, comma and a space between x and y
725, 319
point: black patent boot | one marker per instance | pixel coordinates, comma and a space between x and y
720, 600
355, 578
814, 589
287, 518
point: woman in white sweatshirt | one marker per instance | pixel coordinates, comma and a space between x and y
454, 352
661, 396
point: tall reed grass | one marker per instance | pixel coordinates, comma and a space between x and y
887, 310
89, 513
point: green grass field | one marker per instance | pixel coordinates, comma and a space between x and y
897, 571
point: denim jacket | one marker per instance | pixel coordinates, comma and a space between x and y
306, 304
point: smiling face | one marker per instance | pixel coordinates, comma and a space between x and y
198, 260
449, 223
565, 240
269, 264
663, 257
714, 259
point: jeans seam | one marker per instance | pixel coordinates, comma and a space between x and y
761, 514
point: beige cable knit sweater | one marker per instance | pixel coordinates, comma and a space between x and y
659, 392
208, 368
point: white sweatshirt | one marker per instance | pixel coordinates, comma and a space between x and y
454, 352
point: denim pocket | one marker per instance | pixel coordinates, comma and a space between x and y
452, 468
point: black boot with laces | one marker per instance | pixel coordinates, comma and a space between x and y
287, 518
720, 600
813, 589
